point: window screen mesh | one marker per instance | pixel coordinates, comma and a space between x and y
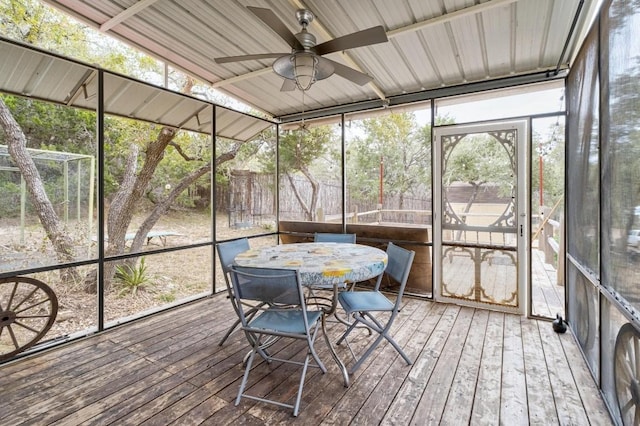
582, 149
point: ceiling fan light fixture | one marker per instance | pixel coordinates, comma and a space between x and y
304, 68
305, 64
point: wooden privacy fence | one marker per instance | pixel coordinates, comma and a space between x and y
250, 199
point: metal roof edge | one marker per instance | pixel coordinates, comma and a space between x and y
426, 95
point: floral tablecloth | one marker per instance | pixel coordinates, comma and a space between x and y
320, 263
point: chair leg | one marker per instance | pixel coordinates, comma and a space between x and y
373, 324
397, 348
229, 332
346, 333
247, 369
296, 406
312, 351
261, 348
366, 354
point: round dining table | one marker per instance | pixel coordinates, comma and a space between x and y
321, 265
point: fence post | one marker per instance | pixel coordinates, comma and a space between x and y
354, 219
379, 214
320, 214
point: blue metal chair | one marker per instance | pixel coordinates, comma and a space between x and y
283, 314
227, 252
326, 237
361, 305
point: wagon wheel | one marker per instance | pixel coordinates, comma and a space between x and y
626, 370
28, 309
586, 314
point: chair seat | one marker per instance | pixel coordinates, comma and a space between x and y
356, 301
284, 321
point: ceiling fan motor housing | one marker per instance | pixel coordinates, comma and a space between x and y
304, 17
306, 39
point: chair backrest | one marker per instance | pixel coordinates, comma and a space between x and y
228, 250
326, 237
398, 267
268, 285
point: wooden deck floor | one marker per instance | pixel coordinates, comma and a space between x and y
547, 295
471, 367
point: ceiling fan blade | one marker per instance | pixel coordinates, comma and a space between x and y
288, 85
268, 17
349, 73
226, 59
373, 35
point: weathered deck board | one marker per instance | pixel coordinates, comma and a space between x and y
470, 367
486, 405
541, 405
456, 411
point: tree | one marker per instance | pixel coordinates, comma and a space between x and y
298, 150
32, 22
479, 160
402, 146
17, 146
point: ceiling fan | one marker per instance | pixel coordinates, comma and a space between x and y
305, 64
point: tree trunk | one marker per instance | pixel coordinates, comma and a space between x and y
162, 207
54, 228
315, 189
304, 206
132, 189
474, 194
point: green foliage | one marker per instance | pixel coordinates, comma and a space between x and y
551, 153
479, 160
132, 278
167, 297
53, 127
10, 196
297, 150
403, 147
30, 21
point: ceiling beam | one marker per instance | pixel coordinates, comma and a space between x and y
241, 77
126, 14
448, 17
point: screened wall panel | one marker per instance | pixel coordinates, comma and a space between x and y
620, 157
582, 149
310, 162
620, 45
603, 199
584, 315
620, 373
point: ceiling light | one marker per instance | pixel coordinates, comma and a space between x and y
303, 67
